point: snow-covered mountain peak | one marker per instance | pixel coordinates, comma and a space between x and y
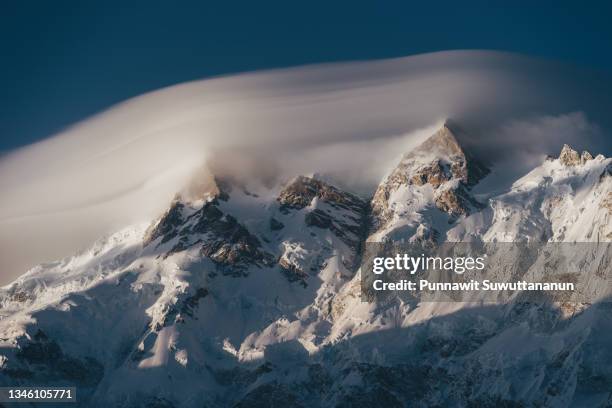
238, 292
441, 158
564, 199
324, 207
430, 186
442, 144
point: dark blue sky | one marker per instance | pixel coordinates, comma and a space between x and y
62, 61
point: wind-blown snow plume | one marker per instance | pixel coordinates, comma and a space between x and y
348, 121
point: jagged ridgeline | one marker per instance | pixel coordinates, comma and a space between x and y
245, 295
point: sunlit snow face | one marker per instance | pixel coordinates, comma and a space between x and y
350, 122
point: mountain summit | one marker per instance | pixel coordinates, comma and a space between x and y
430, 186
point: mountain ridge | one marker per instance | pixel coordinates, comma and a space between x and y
252, 295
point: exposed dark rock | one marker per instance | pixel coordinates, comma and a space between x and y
191, 303
318, 218
606, 173
347, 218
302, 190
168, 224
292, 272
276, 225
21, 297
220, 236
224, 187
171, 222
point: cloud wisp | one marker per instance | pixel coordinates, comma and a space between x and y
349, 121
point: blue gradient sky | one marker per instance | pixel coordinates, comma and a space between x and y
63, 61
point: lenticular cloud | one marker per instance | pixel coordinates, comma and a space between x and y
349, 120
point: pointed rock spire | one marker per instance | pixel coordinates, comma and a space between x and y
569, 156
441, 163
443, 142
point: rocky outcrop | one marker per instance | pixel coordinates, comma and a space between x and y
300, 192
456, 201
226, 241
607, 203
168, 225
219, 236
191, 302
570, 157
452, 159
292, 268
319, 219
342, 213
